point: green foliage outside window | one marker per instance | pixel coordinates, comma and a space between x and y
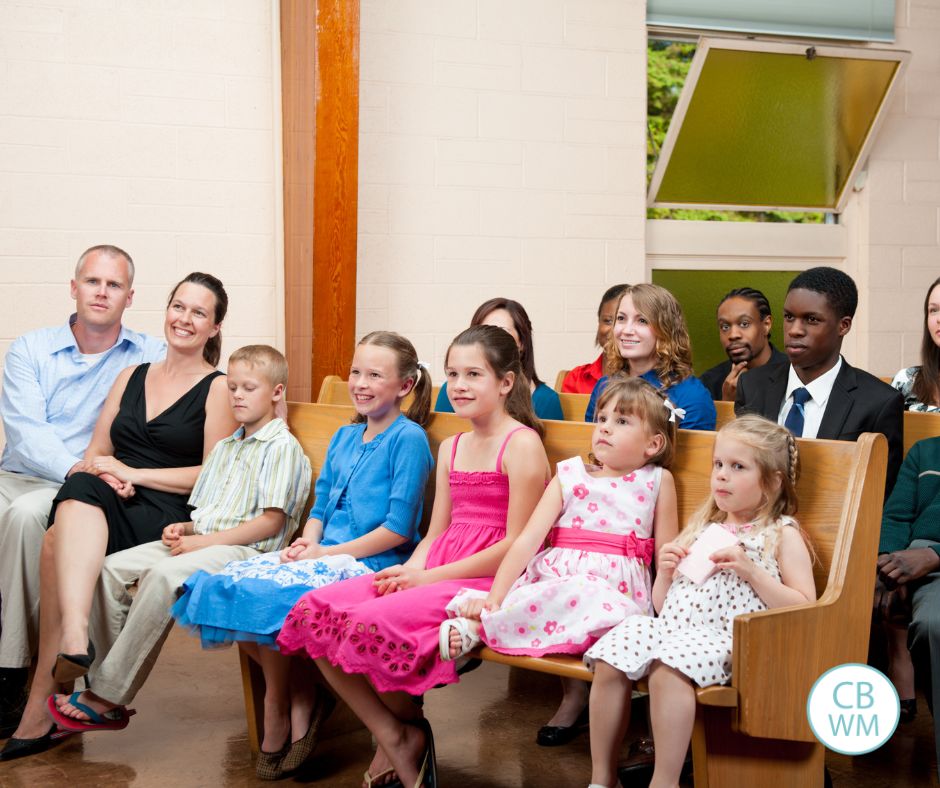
667, 68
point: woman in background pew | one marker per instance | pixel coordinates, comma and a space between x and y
650, 340
582, 379
921, 385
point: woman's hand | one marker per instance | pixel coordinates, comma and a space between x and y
670, 554
399, 578
113, 466
735, 559
301, 549
123, 489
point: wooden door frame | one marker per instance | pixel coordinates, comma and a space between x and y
320, 117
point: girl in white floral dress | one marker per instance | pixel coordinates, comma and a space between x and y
754, 472
601, 523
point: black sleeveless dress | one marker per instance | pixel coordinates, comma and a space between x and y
172, 439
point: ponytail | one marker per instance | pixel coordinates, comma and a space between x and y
420, 409
519, 405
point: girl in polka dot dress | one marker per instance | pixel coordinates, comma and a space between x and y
601, 522
754, 472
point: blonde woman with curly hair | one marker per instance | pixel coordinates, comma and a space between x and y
650, 340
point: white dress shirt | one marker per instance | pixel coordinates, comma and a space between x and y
819, 391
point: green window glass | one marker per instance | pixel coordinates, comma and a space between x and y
764, 126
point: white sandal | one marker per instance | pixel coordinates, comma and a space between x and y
468, 638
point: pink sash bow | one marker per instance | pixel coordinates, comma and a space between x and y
628, 545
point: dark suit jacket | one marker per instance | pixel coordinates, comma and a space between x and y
714, 378
859, 403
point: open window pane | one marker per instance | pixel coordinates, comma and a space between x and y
764, 126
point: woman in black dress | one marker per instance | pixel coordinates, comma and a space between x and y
156, 427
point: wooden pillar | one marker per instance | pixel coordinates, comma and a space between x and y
320, 110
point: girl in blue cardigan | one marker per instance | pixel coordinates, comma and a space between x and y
365, 517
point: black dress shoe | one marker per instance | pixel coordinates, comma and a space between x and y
556, 735
69, 667
20, 748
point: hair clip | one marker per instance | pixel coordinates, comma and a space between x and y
673, 410
424, 366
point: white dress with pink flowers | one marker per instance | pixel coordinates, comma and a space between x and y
595, 574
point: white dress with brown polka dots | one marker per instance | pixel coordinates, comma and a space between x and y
693, 631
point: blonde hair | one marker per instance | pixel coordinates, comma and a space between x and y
408, 368
777, 459
269, 361
636, 397
673, 346
502, 355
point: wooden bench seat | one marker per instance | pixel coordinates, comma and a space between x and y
753, 732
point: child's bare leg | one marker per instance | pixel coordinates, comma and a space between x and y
403, 744
277, 706
611, 695
573, 702
672, 713
402, 705
900, 665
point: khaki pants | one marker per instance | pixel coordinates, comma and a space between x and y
24, 511
129, 631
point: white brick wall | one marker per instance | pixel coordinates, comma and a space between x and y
502, 152
150, 126
903, 196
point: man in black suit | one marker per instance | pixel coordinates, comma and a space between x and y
818, 394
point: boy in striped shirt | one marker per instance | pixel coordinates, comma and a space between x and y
248, 499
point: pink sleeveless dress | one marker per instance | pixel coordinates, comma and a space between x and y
393, 639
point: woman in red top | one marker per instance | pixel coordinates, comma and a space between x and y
581, 380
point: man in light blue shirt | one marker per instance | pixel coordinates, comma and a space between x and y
55, 381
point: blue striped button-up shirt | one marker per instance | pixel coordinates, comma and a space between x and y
52, 396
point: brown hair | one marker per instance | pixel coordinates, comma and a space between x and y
408, 369
777, 458
926, 386
502, 355
673, 347
212, 351
269, 361
636, 397
523, 326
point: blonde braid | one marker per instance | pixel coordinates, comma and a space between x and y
793, 458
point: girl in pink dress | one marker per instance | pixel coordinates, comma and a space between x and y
601, 522
375, 638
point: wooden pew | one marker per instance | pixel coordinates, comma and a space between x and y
725, 411
754, 731
918, 426
573, 406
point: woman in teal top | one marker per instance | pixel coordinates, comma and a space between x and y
510, 316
